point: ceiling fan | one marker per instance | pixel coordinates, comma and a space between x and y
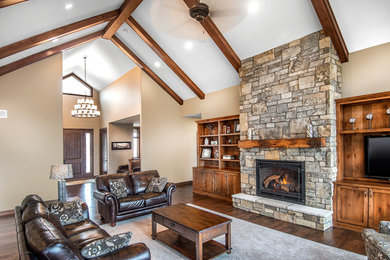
174, 17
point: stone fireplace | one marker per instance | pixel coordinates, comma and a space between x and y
285, 93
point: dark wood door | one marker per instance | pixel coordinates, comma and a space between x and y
103, 151
352, 205
220, 187
198, 180
233, 183
78, 151
208, 180
379, 207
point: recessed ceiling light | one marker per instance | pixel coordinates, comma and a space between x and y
253, 6
188, 45
55, 40
68, 6
157, 64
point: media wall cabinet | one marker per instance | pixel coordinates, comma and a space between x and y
360, 202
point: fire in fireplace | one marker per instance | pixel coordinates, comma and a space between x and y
284, 180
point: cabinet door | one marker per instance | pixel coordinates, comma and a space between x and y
208, 180
198, 179
379, 207
233, 183
352, 205
220, 187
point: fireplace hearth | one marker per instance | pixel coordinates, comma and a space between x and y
283, 180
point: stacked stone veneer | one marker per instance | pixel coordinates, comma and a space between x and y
282, 91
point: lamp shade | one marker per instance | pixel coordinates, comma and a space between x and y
61, 171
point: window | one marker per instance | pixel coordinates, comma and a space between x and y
73, 85
136, 148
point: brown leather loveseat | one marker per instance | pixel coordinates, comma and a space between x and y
137, 202
41, 235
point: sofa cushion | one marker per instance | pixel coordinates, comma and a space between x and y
131, 202
141, 180
153, 198
39, 210
157, 184
47, 242
118, 187
67, 212
103, 185
86, 237
30, 200
105, 246
77, 228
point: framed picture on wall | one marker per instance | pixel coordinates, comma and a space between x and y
120, 145
236, 127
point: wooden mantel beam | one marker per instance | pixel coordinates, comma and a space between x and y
218, 38
164, 56
47, 53
284, 143
145, 68
127, 9
56, 33
329, 24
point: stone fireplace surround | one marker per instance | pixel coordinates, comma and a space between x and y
281, 92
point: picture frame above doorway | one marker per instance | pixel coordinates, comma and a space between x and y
120, 145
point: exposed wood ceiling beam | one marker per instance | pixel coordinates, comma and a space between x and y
164, 56
329, 24
47, 53
145, 68
5, 3
217, 37
56, 33
127, 9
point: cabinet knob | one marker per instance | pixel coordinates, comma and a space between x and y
172, 224
365, 193
370, 193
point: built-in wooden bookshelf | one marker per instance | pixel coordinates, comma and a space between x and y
214, 175
360, 202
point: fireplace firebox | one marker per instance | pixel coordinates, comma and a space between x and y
283, 180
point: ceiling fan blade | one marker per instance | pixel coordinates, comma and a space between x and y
227, 13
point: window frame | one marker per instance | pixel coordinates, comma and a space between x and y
138, 130
81, 81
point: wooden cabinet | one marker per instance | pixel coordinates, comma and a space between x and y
217, 183
218, 171
359, 202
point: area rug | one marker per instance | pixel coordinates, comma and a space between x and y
249, 241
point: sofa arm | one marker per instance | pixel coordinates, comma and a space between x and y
169, 189
105, 197
138, 251
384, 227
376, 244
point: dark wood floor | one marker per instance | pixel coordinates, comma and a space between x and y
337, 237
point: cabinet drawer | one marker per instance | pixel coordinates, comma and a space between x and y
182, 230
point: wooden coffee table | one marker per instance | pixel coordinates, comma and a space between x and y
191, 231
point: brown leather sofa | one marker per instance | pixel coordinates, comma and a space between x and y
40, 235
137, 202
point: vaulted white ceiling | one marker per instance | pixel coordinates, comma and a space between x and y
250, 26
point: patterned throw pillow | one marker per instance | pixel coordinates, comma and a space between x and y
118, 187
107, 245
67, 212
157, 184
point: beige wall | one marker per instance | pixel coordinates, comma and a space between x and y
122, 98
83, 123
119, 133
31, 136
367, 72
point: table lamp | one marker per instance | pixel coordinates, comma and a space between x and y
60, 172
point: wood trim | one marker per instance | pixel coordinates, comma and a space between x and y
47, 53
284, 143
364, 98
329, 24
145, 68
127, 9
81, 81
56, 33
218, 38
164, 56
6, 213
5, 3
183, 183
212, 120
212, 195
